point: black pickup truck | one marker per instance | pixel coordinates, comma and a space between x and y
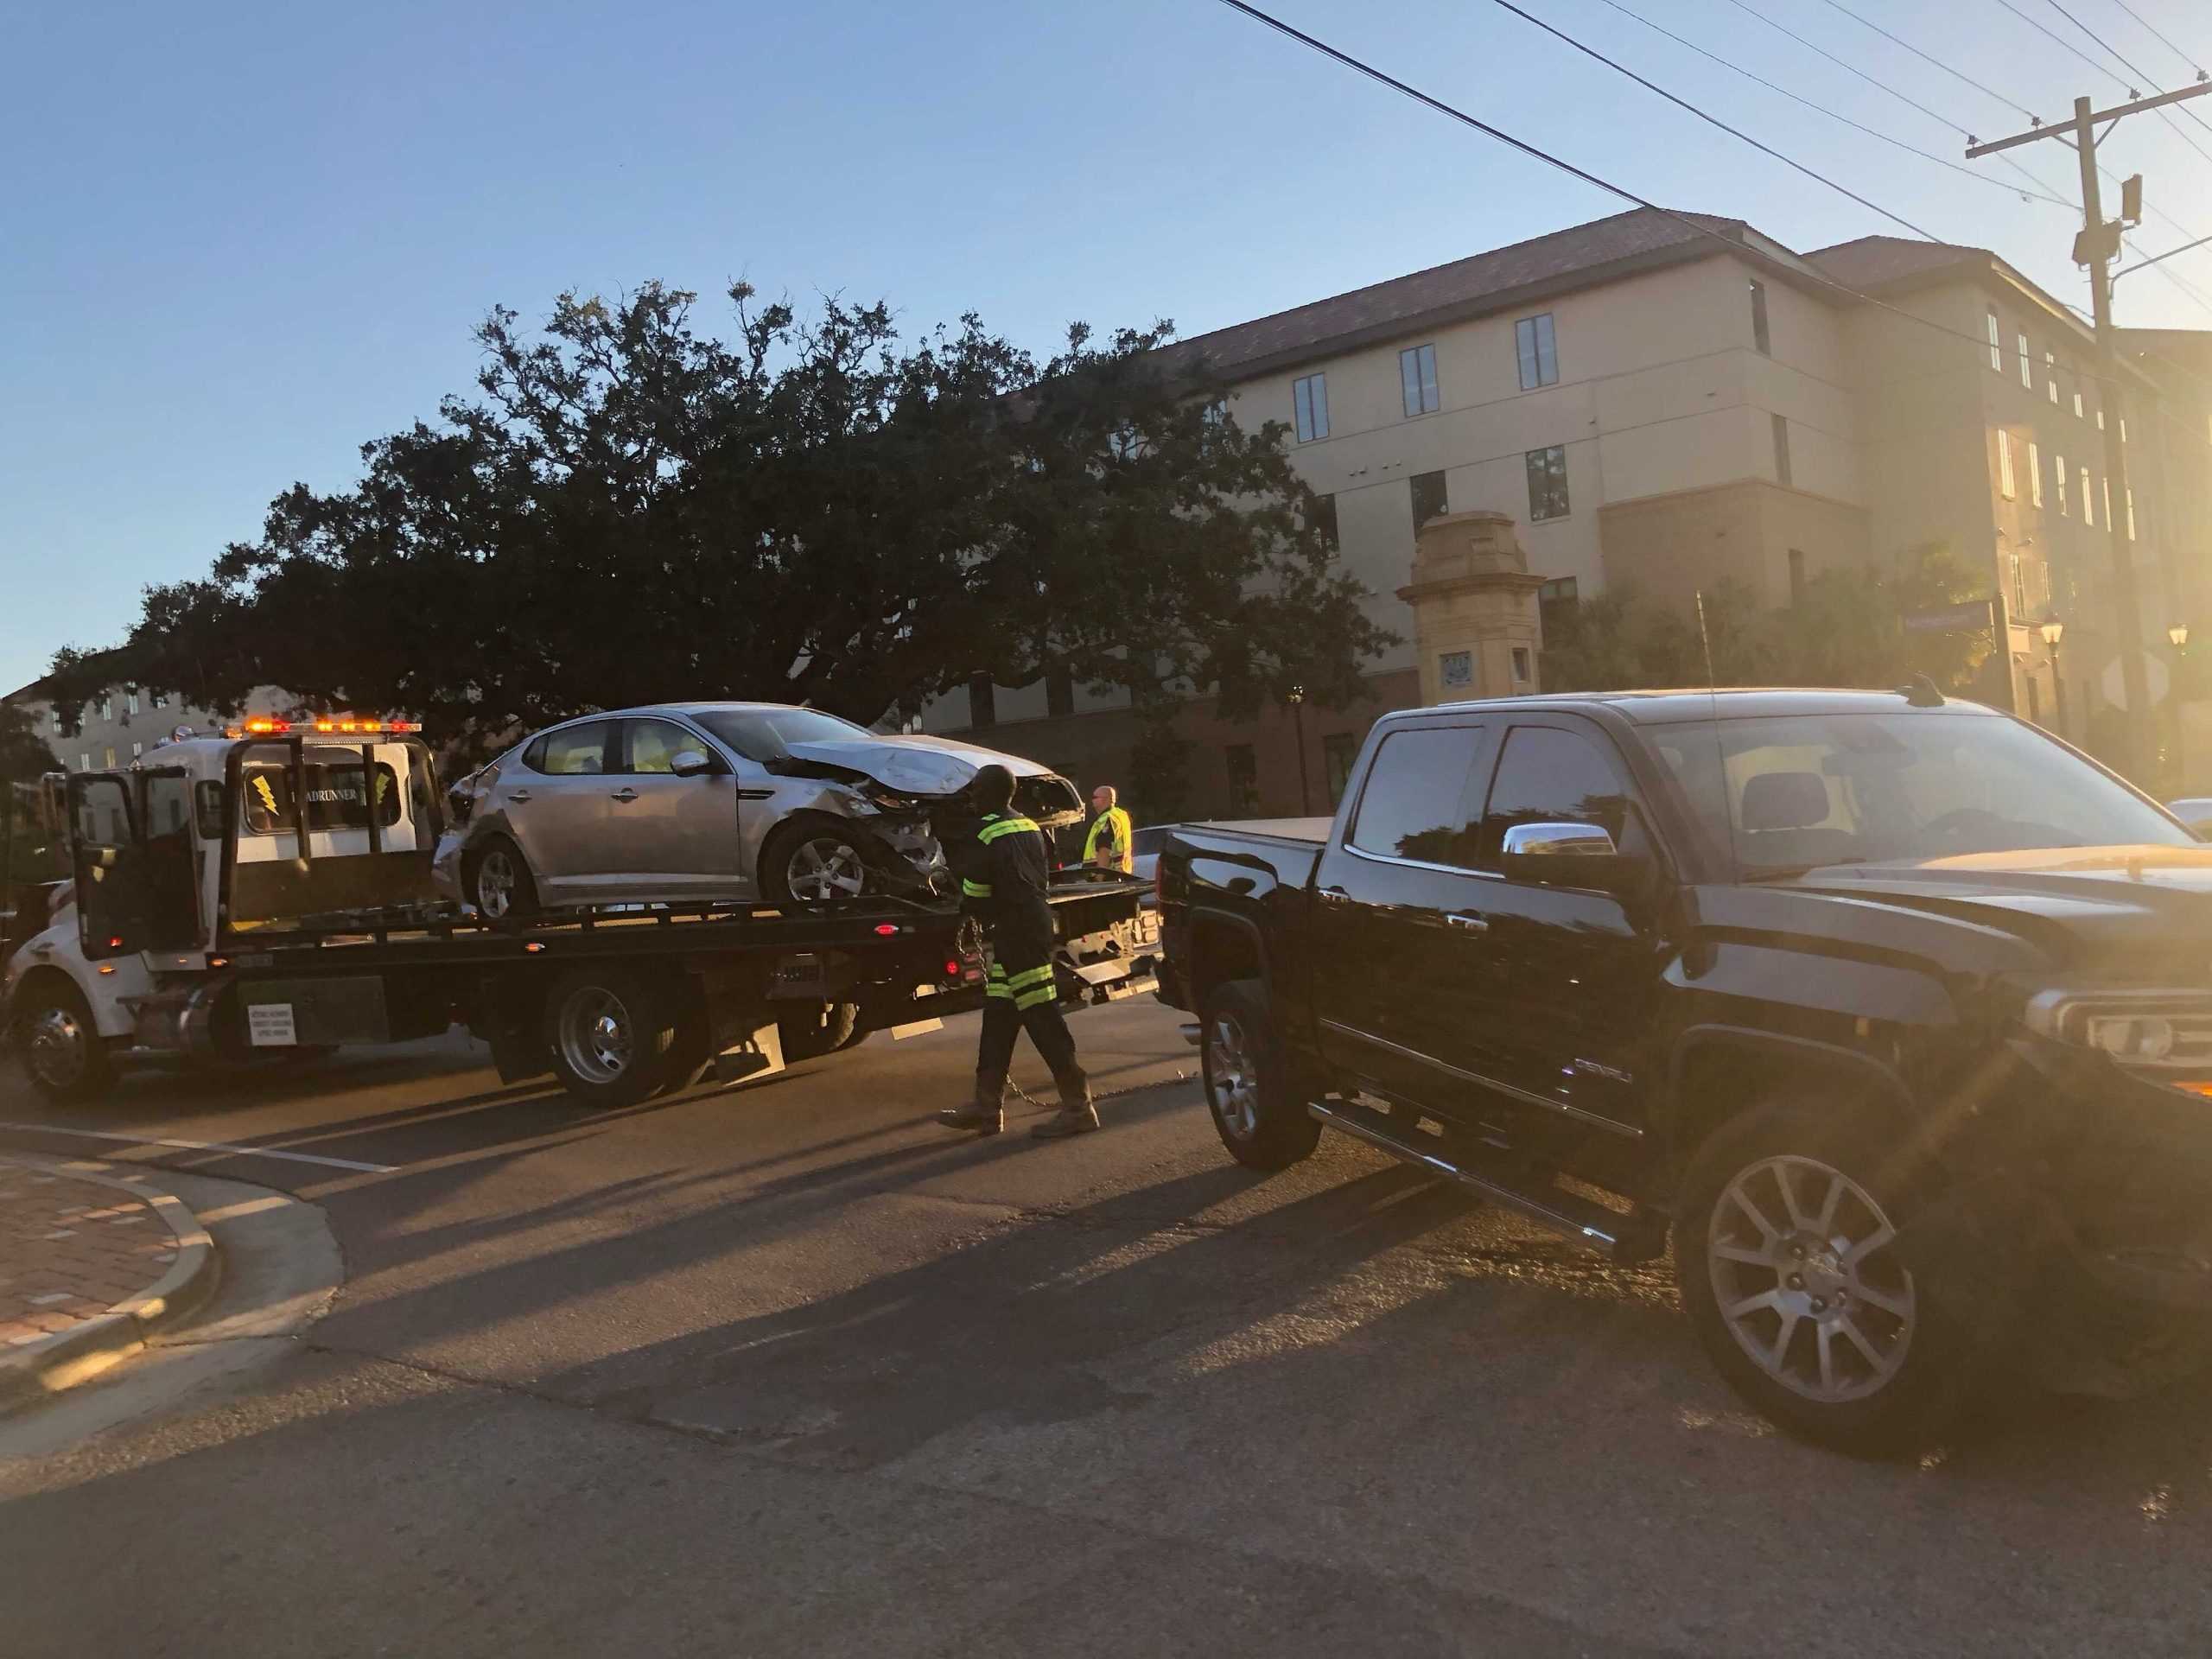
1895, 1014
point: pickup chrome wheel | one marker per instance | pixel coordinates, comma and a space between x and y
1806, 1273
1232, 1081
1837, 1279
1255, 1096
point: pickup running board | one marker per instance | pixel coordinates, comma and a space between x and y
1627, 1238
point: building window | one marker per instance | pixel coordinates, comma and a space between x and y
1060, 691
1456, 668
110, 761
1557, 601
2100, 420
1429, 499
2077, 404
1797, 575
2123, 428
107, 712
1339, 751
53, 720
2088, 506
1996, 349
1309, 397
1782, 471
2131, 512
2058, 477
2027, 364
2104, 489
1417, 375
2019, 587
1760, 337
2050, 373
130, 700
1521, 666
85, 761
1325, 519
982, 701
2005, 483
1244, 779
137, 750
1547, 482
2035, 475
1539, 352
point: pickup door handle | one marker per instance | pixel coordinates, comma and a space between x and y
1471, 923
1335, 896
626, 793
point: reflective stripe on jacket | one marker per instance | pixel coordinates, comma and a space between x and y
1113, 829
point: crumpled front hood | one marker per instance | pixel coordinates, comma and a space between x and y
928, 765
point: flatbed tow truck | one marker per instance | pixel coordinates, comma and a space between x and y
269, 891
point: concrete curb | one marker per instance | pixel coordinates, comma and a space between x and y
68, 1357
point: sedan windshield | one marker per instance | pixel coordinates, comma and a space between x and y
765, 735
1794, 792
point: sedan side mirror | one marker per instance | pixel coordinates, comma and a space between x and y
689, 763
1567, 855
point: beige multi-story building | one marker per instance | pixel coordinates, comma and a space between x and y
126, 724
1664, 405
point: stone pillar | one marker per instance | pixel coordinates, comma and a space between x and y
1474, 605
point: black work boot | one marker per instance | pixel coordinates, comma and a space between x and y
986, 1114
1076, 1114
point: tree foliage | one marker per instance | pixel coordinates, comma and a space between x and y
24, 753
630, 509
1846, 629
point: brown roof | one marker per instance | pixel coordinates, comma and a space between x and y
1484, 282
1873, 260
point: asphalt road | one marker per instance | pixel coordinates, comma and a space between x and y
785, 1370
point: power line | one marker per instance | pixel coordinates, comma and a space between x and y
2168, 44
1871, 132
2103, 69
1955, 74
2113, 52
1714, 120
1801, 268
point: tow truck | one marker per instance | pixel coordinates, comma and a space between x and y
268, 891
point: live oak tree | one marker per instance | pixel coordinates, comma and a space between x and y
631, 510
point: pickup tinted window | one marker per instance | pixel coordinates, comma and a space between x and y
1549, 776
1415, 804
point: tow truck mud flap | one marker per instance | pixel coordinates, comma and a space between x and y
310, 1013
760, 1055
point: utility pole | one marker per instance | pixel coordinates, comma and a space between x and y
2094, 248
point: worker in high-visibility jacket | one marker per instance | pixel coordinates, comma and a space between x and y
1109, 846
1005, 884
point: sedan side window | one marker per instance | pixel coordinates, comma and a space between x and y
1415, 802
652, 745
576, 749
1549, 776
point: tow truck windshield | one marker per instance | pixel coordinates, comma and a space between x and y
1800, 791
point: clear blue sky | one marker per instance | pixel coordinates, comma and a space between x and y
239, 239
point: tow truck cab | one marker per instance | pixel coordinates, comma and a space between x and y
209, 843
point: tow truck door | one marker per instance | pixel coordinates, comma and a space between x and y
132, 853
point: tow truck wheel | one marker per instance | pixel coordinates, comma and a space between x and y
610, 1035
1831, 1282
499, 884
821, 1028
60, 1047
1253, 1094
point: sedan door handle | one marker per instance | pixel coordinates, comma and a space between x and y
626, 794
1472, 923
1334, 896
519, 795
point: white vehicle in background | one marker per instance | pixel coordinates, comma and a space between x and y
2196, 812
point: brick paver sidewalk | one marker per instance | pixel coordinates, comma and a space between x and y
70, 1250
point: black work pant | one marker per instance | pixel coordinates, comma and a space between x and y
1022, 997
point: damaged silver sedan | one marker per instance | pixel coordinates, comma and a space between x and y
718, 801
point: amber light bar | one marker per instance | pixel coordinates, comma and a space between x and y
278, 727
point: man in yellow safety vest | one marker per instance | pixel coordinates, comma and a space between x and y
1107, 847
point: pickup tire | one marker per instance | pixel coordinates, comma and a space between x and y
1822, 1268
611, 1034
1255, 1095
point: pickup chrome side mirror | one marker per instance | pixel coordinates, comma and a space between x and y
1558, 841
689, 763
1565, 855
